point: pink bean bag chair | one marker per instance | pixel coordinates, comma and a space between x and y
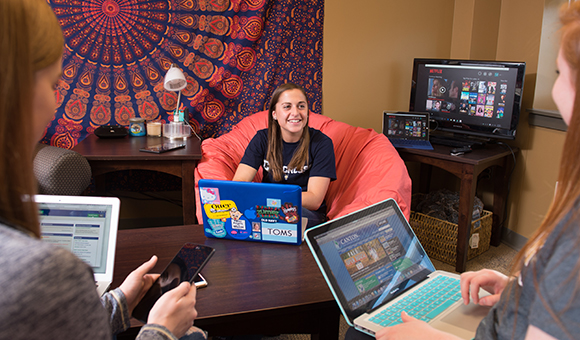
368, 168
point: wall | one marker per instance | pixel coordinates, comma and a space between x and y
535, 176
368, 53
369, 48
549, 46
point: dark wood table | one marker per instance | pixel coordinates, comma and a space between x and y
254, 288
467, 168
115, 154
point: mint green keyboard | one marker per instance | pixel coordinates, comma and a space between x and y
424, 303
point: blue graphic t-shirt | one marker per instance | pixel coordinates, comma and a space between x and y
321, 160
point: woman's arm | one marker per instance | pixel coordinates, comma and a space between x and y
317, 187
54, 298
244, 173
175, 310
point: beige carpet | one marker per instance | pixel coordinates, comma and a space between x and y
498, 258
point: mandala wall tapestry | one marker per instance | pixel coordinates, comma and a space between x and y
234, 53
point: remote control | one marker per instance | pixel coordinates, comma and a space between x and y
460, 151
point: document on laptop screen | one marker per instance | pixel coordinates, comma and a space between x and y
84, 232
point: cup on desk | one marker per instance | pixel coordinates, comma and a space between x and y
154, 129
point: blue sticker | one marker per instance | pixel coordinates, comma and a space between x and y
273, 202
217, 228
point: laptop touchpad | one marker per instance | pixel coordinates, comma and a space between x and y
467, 317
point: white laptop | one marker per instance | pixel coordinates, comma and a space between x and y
85, 225
376, 268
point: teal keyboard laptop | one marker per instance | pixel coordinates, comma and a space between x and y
424, 304
376, 268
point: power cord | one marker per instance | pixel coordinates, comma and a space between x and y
436, 125
186, 120
192, 130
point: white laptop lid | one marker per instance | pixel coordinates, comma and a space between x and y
85, 225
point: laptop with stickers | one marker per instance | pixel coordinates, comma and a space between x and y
407, 129
86, 226
259, 212
376, 268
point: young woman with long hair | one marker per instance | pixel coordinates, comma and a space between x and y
290, 152
47, 292
541, 297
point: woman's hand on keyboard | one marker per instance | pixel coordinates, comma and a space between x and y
490, 280
412, 328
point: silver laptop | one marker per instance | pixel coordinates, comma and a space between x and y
376, 268
86, 226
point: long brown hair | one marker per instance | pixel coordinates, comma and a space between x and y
274, 154
30, 40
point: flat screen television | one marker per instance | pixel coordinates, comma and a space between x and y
469, 97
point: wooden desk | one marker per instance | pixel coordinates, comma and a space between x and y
254, 288
467, 167
115, 154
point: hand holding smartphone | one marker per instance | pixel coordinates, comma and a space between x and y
185, 266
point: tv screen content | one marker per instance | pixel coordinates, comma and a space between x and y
481, 98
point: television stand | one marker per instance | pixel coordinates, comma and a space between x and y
467, 168
457, 142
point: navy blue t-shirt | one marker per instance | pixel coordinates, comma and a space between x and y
321, 159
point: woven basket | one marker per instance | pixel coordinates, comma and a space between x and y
439, 238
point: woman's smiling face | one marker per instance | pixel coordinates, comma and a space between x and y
292, 114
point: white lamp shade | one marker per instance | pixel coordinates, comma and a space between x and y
174, 80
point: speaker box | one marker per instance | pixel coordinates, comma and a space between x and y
111, 131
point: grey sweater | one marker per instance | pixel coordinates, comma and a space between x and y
46, 292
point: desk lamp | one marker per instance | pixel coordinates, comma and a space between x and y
175, 81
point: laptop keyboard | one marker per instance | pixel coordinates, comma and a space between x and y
424, 303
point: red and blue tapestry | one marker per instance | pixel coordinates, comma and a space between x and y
234, 53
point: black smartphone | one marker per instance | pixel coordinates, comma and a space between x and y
185, 266
160, 148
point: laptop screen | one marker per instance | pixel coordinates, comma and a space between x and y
370, 256
86, 229
406, 125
